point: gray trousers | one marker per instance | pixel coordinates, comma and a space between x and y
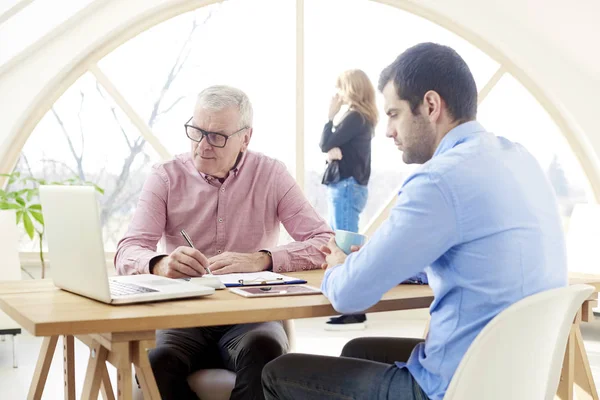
365, 370
243, 349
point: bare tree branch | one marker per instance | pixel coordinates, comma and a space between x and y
77, 158
113, 111
175, 69
120, 183
133, 195
101, 174
26, 161
81, 125
56, 162
138, 145
171, 106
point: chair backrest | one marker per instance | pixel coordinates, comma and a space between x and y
519, 354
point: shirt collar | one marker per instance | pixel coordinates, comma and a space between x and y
458, 135
236, 168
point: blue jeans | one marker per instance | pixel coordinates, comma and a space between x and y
346, 200
365, 370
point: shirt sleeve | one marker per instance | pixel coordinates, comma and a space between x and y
350, 127
303, 223
421, 227
138, 246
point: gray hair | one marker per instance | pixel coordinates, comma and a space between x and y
219, 97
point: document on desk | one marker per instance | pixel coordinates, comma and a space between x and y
258, 279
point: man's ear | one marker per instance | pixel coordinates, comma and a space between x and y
246, 138
433, 105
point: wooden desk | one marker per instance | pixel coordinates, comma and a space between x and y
122, 335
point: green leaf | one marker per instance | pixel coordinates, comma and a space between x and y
38, 216
5, 175
19, 217
30, 194
41, 181
20, 201
35, 207
28, 225
9, 206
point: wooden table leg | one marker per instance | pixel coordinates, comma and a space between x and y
121, 350
69, 366
143, 369
93, 374
124, 385
106, 387
584, 381
42, 367
576, 374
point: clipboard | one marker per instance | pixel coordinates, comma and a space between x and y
265, 278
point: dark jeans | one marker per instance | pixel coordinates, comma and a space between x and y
243, 349
364, 371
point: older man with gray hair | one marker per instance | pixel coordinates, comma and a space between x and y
231, 202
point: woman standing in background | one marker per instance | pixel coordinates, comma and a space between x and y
346, 139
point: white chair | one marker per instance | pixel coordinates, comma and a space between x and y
10, 269
519, 354
217, 384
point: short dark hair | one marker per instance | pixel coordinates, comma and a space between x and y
431, 66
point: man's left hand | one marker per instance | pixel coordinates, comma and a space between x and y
228, 262
333, 254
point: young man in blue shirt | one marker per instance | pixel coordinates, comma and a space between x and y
479, 216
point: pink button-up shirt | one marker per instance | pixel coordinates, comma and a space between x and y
242, 214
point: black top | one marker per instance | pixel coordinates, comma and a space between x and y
353, 137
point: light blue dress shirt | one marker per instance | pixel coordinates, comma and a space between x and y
482, 220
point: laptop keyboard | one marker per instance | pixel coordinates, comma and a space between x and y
127, 289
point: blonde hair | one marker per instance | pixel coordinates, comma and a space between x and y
359, 92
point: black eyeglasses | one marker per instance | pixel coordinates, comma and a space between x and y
214, 139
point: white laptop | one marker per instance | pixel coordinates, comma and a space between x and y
77, 256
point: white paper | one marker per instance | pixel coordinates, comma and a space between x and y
255, 278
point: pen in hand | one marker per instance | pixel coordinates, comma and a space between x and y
189, 241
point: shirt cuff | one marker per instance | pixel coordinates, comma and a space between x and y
143, 263
325, 281
279, 258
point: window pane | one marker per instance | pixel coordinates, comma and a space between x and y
236, 43
511, 111
86, 136
334, 45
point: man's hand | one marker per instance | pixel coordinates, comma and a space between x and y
183, 262
228, 263
334, 154
333, 254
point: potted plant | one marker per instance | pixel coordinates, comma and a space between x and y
24, 198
